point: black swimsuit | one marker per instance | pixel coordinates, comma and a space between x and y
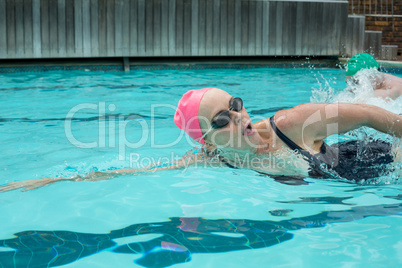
352, 160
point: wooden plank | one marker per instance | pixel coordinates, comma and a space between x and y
279, 29
317, 27
258, 28
272, 28
78, 36
361, 35
244, 28
110, 28
332, 39
291, 18
299, 28
53, 29
19, 29
343, 16
202, 28
231, 28
187, 28
133, 28
179, 27
285, 26
118, 27
325, 29
216, 28
86, 29
45, 40
306, 29
3, 30
332, 45
319, 31
312, 28
347, 50
332, 48
265, 28
209, 27
224, 28
172, 27
319, 44
194, 27
149, 36
36, 29
10, 17
28, 33
164, 28
238, 29
102, 22
157, 28
94, 18
349, 41
141, 27
61, 30
70, 36
125, 28
251, 28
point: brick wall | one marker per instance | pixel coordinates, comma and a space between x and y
391, 27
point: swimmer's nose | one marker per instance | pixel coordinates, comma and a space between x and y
236, 117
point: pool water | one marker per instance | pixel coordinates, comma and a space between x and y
68, 123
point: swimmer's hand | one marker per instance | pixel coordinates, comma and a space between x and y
37, 183
29, 184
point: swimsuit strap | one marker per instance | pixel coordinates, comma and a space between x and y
313, 160
284, 138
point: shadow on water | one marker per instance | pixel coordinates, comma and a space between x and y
179, 238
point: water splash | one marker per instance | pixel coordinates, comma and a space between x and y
360, 89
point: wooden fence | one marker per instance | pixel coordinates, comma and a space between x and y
136, 28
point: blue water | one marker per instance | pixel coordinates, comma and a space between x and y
198, 217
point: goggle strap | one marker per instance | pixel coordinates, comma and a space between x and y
203, 136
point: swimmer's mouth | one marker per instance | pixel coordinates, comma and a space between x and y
248, 129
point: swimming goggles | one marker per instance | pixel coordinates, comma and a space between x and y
222, 119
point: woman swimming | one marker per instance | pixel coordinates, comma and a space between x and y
292, 137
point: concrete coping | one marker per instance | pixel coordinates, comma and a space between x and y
383, 63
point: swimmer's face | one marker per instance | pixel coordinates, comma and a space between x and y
239, 133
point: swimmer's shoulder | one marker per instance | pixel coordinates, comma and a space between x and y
292, 122
285, 120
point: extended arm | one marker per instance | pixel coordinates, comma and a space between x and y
186, 161
312, 122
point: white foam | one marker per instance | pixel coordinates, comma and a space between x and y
361, 92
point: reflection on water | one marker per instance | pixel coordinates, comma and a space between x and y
179, 237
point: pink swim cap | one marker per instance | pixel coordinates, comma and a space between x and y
186, 116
